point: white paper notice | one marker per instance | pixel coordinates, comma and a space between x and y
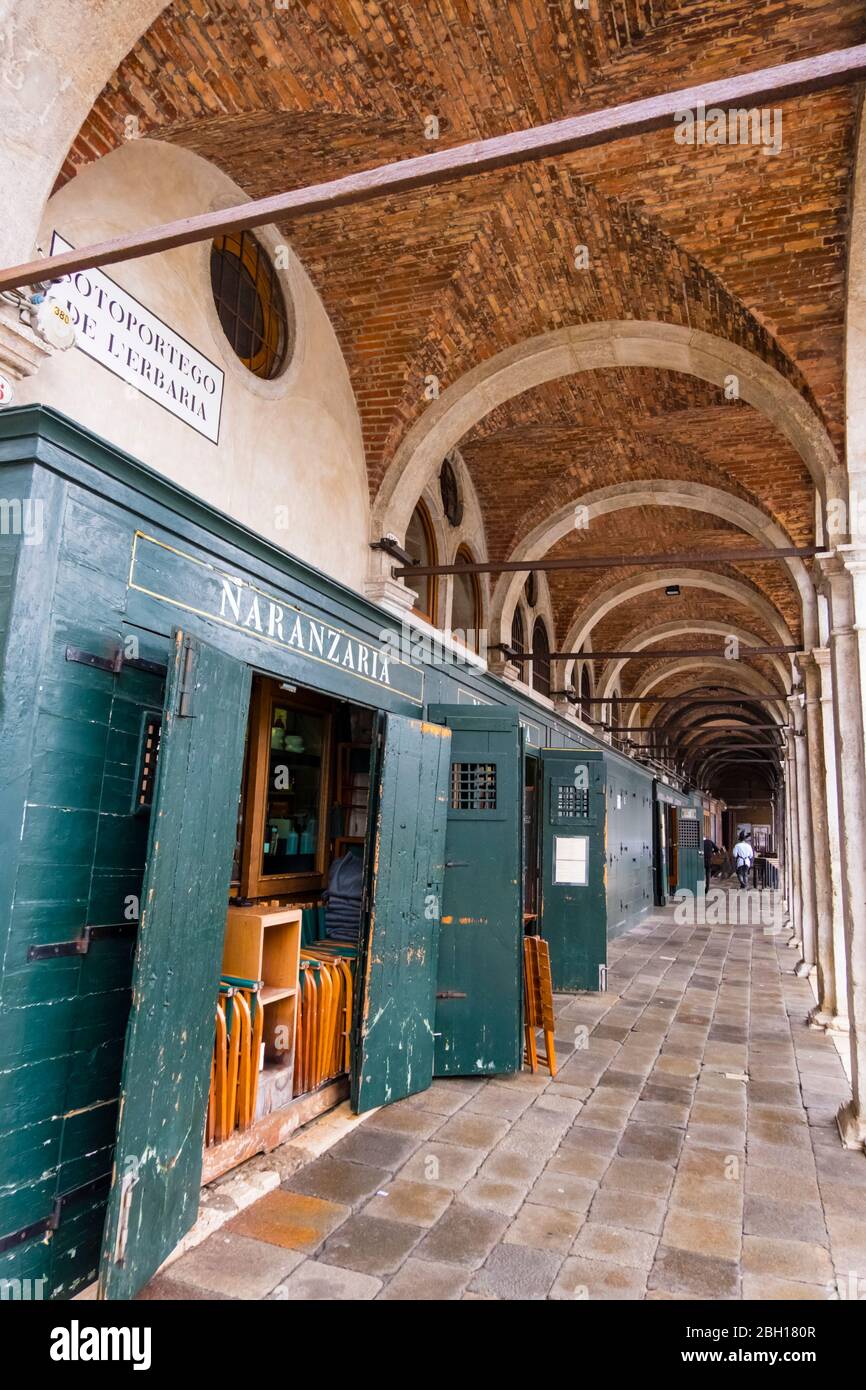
570, 861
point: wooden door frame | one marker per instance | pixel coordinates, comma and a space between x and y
253, 884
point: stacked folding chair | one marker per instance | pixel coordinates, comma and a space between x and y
235, 1063
538, 1002
324, 1015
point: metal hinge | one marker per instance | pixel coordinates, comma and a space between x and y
80, 945
451, 994
602, 979
187, 685
49, 1224
116, 662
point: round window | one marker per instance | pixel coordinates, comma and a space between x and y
452, 502
250, 303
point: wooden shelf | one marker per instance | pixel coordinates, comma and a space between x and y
263, 942
270, 994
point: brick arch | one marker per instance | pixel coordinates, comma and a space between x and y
735, 677
617, 594
587, 347
657, 492
855, 344
640, 639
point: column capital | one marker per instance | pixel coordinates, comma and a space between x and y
821, 657
22, 352
391, 594
503, 668
853, 556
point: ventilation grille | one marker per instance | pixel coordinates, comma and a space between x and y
571, 802
149, 754
689, 837
473, 786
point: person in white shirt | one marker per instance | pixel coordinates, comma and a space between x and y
743, 857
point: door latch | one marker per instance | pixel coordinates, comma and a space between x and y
451, 994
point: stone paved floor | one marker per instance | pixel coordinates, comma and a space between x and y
686, 1148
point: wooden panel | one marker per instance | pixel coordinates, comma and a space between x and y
166, 1072
395, 1004
479, 986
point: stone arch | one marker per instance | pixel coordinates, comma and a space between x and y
56, 60
660, 493
642, 638
587, 347
855, 332
735, 676
632, 586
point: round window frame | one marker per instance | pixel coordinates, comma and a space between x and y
450, 493
292, 283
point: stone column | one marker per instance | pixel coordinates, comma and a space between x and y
826, 1008
838, 1021
804, 839
794, 902
846, 606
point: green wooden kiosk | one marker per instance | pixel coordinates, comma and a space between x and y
140, 633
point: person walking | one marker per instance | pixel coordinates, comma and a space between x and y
743, 857
710, 848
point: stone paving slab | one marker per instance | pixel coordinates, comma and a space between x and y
686, 1149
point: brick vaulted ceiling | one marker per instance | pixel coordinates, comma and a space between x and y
745, 245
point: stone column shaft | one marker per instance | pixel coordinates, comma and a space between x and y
826, 1009
839, 1018
851, 785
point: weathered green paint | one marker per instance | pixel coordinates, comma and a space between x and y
690, 861
629, 848
395, 1000
573, 918
71, 851
166, 1067
480, 985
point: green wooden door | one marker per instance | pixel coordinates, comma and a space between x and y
690, 841
166, 1069
660, 844
573, 916
479, 996
395, 999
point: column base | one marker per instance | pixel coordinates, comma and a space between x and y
852, 1127
826, 1022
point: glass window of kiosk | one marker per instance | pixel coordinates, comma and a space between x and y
288, 776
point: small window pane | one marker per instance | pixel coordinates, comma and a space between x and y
291, 838
250, 303
419, 546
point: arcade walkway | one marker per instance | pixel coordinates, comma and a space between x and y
687, 1148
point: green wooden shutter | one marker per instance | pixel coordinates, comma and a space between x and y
690, 861
166, 1070
480, 987
573, 916
395, 998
